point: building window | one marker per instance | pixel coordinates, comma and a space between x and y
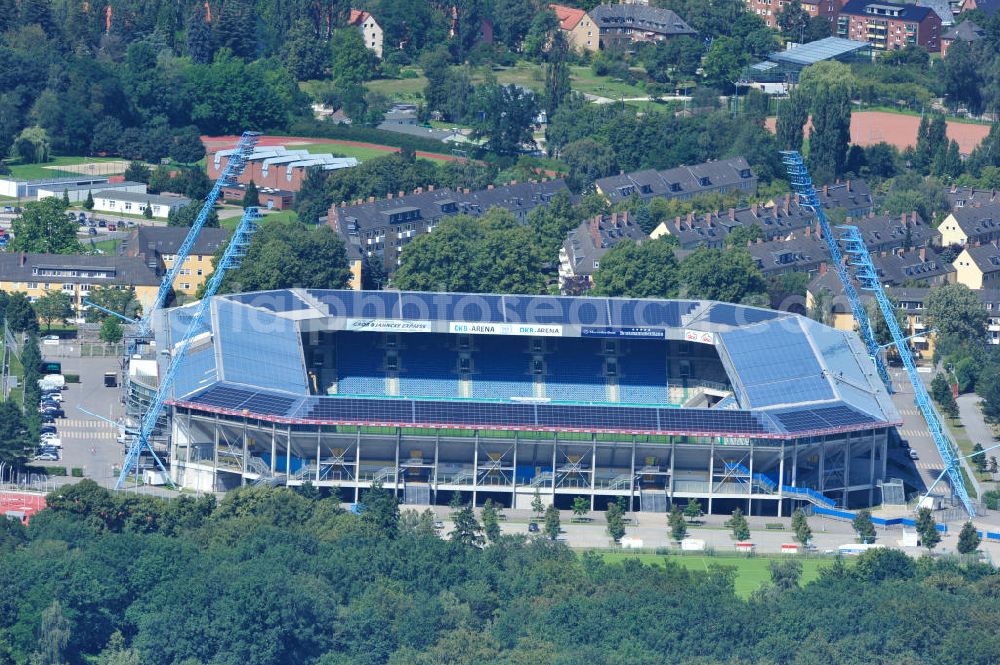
186, 287
32, 285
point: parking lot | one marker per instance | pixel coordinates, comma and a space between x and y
89, 442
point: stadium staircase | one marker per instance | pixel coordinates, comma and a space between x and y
544, 478
810, 495
621, 482
653, 501
417, 494
385, 474
741, 474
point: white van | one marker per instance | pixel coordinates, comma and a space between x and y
50, 381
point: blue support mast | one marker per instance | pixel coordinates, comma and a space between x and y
235, 251
799, 178
234, 167
867, 276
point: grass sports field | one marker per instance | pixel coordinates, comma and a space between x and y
68, 166
751, 572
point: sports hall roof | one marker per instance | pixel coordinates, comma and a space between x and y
791, 376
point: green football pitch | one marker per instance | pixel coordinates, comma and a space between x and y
751, 572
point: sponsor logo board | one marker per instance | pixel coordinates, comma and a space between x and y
389, 325
609, 331
699, 336
527, 329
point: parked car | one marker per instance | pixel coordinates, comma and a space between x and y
8, 209
112, 227
904, 444
532, 527
46, 418
54, 412
92, 231
47, 457
913, 454
102, 223
55, 397
82, 217
91, 223
48, 429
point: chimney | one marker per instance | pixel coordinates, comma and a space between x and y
614, 219
808, 231
388, 196
760, 241
849, 189
708, 219
913, 216
690, 220
466, 190
923, 254
819, 230
371, 199
788, 201
24, 258
732, 214
625, 218
902, 219
822, 267
753, 209
513, 182
848, 219
430, 188
677, 222
826, 190
402, 194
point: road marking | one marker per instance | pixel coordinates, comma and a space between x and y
929, 466
86, 435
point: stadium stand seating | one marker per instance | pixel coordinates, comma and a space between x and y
500, 368
575, 372
360, 365
642, 370
427, 368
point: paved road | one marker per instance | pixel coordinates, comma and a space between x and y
972, 419
920, 473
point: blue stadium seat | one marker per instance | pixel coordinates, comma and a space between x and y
360, 364
427, 368
575, 372
642, 373
500, 368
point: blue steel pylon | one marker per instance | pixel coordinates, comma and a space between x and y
799, 178
235, 251
867, 276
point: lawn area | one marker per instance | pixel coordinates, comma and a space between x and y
361, 153
109, 247
751, 572
584, 80
399, 90
37, 171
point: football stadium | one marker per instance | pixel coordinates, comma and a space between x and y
505, 397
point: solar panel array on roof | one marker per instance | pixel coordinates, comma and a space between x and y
261, 349
238, 399
734, 315
276, 301
822, 418
776, 365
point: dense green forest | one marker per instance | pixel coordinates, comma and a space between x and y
274, 576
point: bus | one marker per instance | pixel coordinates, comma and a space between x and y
49, 367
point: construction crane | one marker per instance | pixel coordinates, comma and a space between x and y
867, 276
799, 178
235, 251
234, 167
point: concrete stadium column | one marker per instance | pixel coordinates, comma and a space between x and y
434, 479
795, 465
781, 479
475, 468
673, 456
711, 475
243, 476
513, 475
288, 454
750, 482
191, 438
274, 446
847, 470
822, 466
555, 447
215, 455
593, 469
357, 468
631, 480
871, 475
395, 474
319, 439
885, 452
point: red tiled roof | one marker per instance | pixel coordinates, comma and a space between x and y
358, 17
568, 16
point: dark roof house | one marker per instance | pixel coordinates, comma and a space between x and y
581, 253
635, 22
683, 182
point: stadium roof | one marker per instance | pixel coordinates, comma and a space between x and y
791, 376
813, 52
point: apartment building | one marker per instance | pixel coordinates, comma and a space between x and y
972, 223
157, 246
276, 167
888, 26
581, 253
577, 27
683, 182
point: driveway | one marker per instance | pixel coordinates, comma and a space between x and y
972, 418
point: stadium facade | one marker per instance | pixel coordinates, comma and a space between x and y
503, 397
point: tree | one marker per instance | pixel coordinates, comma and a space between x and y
490, 254
233, 29
743, 235
306, 54
491, 521
53, 636
581, 506
111, 331
616, 521
15, 438
53, 306
288, 254
552, 527
989, 389
187, 215
785, 574
511, 21
557, 86
137, 172
504, 116
467, 530
20, 315
381, 510
639, 270
44, 228
968, 539
958, 314
793, 20
89, 202
792, 116
118, 653
65, 198
32, 146
979, 458
823, 76
199, 36
147, 211
927, 529
251, 197
863, 526
963, 83
942, 393
800, 525
122, 301
587, 160
351, 62
692, 511
729, 276
186, 146
737, 523
829, 135
724, 62
537, 505
455, 503
678, 525
932, 139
